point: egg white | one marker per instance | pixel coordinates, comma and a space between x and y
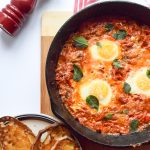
136, 76
94, 87
95, 50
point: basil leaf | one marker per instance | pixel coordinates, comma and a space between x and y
108, 116
92, 101
148, 73
120, 35
126, 88
80, 42
98, 44
134, 125
77, 73
117, 64
125, 111
109, 27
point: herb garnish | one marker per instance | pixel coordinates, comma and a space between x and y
125, 111
126, 88
134, 125
117, 64
108, 116
148, 73
77, 73
98, 44
80, 42
109, 27
92, 101
120, 35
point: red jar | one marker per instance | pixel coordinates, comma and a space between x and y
14, 14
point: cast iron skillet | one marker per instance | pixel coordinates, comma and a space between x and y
132, 10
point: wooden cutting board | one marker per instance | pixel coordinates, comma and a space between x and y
51, 22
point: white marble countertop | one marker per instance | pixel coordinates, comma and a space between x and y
20, 61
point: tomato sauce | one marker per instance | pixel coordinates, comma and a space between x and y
126, 112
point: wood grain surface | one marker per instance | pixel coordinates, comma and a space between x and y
51, 22
45, 102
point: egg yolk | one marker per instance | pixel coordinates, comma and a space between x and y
99, 89
107, 51
143, 82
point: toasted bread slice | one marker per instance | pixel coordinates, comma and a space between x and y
57, 137
15, 135
66, 144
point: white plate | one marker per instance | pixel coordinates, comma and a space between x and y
37, 122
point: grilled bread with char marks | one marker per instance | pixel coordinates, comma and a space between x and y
55, 137
15, 135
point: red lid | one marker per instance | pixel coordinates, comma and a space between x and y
25, 6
